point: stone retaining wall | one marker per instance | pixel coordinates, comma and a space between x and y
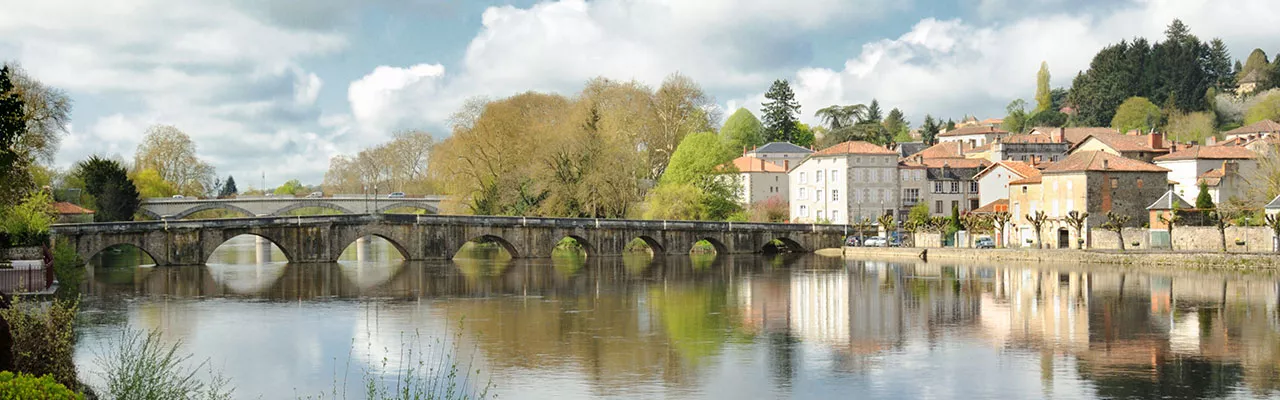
1178, 259
1106, 240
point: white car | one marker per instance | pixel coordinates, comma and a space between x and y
396, 195
315, 195
876, 241
178, 196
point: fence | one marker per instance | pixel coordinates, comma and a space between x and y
25, 270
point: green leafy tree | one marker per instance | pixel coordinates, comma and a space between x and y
1257, 61
1181, 70
1267, 108
12, 127
929, 130
780, 112
107, 182
1136, 113
291, 187
919, 213
951, 125
699, 161
151, 185
1044, 97
28, 223
896, 124
742, 130
675, 202
1047, 118
804, 136
1016, 119
228, 188
1204, 200
1197, 126
873, 112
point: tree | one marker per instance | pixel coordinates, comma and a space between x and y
1219, 66
951, 125
46, 112
873, 112
896, 124
291, 187
1257, 61
837, 117
1077, 220
680, 107
1196, 126
1016, 119
675, 202
1038, 220
1115, 223
780, 112
151, 185
1000, 221
1266, 108
1181, 71
228, 188
1044, 97
742, 130
1222, 219
107, 182
929, 130
1273, 222
172, 154
1048, 118
12, 128
974, 224
1171, 218
698, 162
1136, 113
804, 136
1204, 200
887, 224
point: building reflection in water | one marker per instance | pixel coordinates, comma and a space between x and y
678, 323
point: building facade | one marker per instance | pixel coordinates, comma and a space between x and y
973, 135
993, 182
784, 154
1224, 168
846, 182
760, 180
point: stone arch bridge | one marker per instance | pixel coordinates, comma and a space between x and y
422, 237
179, 208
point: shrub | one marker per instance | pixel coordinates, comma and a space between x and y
27, 224
68, 267
43, 339
140, 366
23, 386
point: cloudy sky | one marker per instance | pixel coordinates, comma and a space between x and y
279, 86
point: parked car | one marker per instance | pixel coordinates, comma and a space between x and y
875, 241
852, 241
396, 195
315, 195
895, 242
178, 196
984, 243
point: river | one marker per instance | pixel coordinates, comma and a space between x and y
783, 326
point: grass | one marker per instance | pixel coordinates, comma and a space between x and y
431, 372
140, 366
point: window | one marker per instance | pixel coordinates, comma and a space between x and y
973, 186
1071, 204
955, 205
819, 214
833, 176
817, 195
955, 187
857, 197
835, 216
1139, 183
870, 176
1069, 187
835, 195
937, 187
857, 160
973, 204
888, 196
1056, 210
885, 175
1115, 183
817, 177
866, 194
804, 211
802, 194
1017, 211
904, 175
919, 175
1024, 189
910, 196
937, 207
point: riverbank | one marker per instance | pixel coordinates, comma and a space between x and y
1201, 260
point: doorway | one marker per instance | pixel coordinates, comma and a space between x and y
1064, 238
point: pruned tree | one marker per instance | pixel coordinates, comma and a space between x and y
1171, 218
1038, 220
911, 227
1115, 223
1077, 220
887, 223
974, 224
1000, 221
1273, 221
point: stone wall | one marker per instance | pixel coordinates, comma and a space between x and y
1106, 240
1206, 238
1080, 257
928, 240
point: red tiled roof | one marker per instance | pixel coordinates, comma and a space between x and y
1028, 181
1263, 126
1100, 161
955, 162
1130, 143
973, 130
65, 208
1001, 205
1211, 178
944, 150
1210, 153
1024, 170
855, 147
752, 164
1075, 135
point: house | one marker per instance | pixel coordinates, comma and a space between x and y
760, 180
781, 153
1061, 135
1256, 130
953, 186
957, 150
1096, 182
1028, 151
1249, 83
1224, 168
909, 148
1143, 148
1167, 203
913, 185
1273, 208
72, 214
848, 181
993, 181
972, 135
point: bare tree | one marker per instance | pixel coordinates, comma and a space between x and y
1273, 221
1171, 218
1001, 222
1077, 219
1038, 220
172, 154
1115, 223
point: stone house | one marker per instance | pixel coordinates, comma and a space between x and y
952, 184
972, 135
760, 180
913, 185
1096, 182
1257, 130
1138, 147
1072, 136
993, 182
1249, 83
72, 214
1223, 168
844, 182
781, 153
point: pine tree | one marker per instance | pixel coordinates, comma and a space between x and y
1219, 66
929, 130
1044, 96
1203, 200
873, 112
228, 188
780, 112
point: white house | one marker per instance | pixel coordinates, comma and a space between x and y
993, 182
1257, 130
760, 180
845, 182
1224, 168
973, 135
782, 153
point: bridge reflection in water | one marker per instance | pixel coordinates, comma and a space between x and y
749, 327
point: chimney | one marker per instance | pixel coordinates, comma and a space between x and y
960, 149
1106, 164
1230, 167
1210, 141
1060, 135
1157, 140
786, 165
744, 150
762, 164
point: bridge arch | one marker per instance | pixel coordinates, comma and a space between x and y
404, 252
312, 204
715, 243
488, 238
421, 205
782, 244
586, 246
211, 206
288, 253
654, 244
88, 254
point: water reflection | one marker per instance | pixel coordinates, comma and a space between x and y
697, 326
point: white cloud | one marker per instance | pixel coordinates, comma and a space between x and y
306, 88
392, 98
